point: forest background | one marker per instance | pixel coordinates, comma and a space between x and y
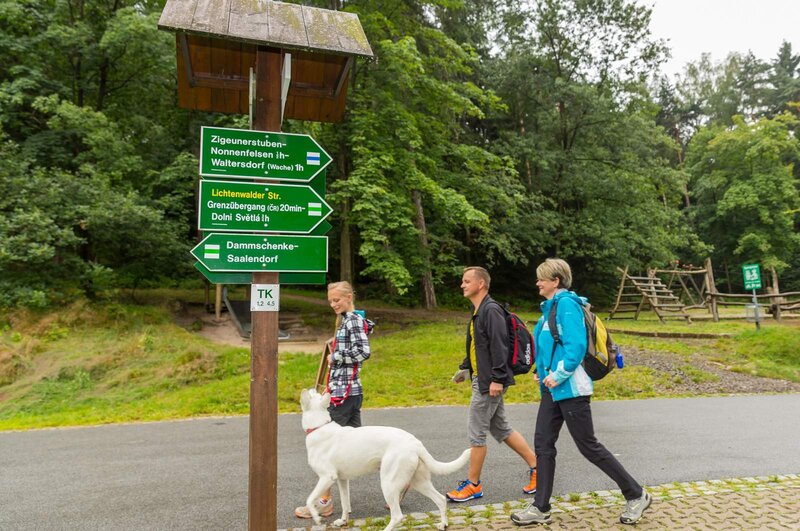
491, 132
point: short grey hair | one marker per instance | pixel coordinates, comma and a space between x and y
555, 268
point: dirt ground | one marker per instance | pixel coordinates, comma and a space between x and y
224, 331
725, 381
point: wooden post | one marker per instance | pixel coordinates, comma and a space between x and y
651, 274
619, 291
218, 302
263, 486
775, 301
685, 289
712, 291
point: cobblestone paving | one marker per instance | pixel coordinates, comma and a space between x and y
764, 502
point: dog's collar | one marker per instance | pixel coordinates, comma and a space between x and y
309, 430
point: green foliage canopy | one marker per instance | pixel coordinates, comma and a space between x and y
743, 180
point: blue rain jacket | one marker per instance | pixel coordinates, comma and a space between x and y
565, 363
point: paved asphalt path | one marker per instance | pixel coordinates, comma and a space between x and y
191, 475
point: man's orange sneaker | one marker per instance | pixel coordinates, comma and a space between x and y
466, 491
530, 488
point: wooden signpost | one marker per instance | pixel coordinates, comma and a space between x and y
297, 58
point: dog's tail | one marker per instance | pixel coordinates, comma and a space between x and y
439, 468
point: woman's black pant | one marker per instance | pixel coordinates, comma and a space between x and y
578, 415
348, 413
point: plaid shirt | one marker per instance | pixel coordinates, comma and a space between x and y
350, 350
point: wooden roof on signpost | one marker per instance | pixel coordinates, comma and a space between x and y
216, 44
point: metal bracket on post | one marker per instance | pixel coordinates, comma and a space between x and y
286, 80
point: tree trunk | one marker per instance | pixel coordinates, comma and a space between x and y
427, 277
711, 290
528, 172
345, 241
686, 200
468, 243
102, 85
345, 245
677, 137
76, 16
775, 303
78, 92
728, 277
105, 66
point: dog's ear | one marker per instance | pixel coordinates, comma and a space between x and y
304, 399
326, 400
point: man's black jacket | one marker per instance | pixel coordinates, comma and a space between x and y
491, 346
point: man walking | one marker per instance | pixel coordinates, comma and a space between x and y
486, 363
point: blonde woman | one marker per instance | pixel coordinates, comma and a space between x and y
350, 349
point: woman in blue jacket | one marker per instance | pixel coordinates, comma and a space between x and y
566, 391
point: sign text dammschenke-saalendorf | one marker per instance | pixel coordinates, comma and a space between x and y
254, 252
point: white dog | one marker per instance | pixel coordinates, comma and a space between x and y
338, 453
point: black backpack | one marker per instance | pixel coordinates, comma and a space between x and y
521, 354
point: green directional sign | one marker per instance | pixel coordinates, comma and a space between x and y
235, 153
284, 277
253, 252
752, 276
255, 207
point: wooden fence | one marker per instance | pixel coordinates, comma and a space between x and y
774, 303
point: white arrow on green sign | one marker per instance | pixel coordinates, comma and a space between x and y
254, 252
231, 153
254, 207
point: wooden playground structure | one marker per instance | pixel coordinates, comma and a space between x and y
671, 293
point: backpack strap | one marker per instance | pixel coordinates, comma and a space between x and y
551, 323
503, 307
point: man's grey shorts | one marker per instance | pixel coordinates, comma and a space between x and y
487, 413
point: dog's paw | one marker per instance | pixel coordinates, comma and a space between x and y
339, 523
441, 526
317, 520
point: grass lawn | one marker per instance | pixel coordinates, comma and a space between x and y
112, 362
